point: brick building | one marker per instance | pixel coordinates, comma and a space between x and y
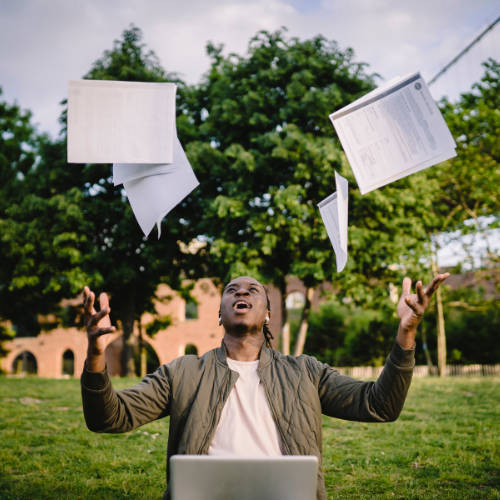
62, 351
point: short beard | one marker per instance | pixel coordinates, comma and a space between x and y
241, 328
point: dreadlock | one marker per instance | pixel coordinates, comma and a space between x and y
267, 333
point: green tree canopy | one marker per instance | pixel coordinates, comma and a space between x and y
80, 210
469, 196
41, 262
268, 156
257, 133
129, 268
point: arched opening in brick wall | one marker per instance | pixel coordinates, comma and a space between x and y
191, 349
188, 349
68, 363
24, 363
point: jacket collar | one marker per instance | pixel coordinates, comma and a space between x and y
265, 355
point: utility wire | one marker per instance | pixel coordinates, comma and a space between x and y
442, 71
472, 34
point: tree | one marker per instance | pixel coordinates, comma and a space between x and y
114, 255
38, 234
467, 204
268, 156
342, 335
468, 184
473, 317
6, 334
131, 269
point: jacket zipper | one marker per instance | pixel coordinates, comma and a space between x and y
273, 411
214, 413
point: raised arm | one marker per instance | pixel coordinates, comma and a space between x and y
98, 326
105, 409
380, 401
412, 307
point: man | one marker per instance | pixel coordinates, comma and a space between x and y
244, 398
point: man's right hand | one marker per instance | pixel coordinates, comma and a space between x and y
98, 326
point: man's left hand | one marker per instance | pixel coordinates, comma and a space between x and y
412, 307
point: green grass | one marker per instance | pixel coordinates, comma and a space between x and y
446, 445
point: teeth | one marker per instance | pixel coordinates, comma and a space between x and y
242, 304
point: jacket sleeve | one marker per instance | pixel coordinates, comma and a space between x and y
381, 401
110, 411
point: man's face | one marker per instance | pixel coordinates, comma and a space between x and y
244, 306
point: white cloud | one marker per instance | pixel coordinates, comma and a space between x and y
398, 21
44, 44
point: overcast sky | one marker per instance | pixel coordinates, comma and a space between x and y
44, 43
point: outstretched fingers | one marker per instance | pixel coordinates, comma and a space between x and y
435, 283
93, 318
104, 331
420, 292
103, 300
94, 321
88, 304
411, 303
406, 287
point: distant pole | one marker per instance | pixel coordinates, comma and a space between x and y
426, 348
285, 339
301, 339
144, 367
285, 324
441, 335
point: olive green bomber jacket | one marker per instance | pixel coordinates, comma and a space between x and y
299, 390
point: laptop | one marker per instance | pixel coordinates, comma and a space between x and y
202, 477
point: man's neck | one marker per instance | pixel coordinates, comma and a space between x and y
243, 347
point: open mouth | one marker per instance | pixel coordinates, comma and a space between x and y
241, 304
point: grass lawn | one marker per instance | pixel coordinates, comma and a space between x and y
446, 444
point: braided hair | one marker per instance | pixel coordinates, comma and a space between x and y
267, 333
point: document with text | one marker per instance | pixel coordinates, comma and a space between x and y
334, 213
121, 122
392, 132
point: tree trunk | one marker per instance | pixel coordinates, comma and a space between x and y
144, 366
127, 318
441, 335
285, 325
285, 339
426, 349
301, 339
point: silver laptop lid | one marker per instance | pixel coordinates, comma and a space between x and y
202, 477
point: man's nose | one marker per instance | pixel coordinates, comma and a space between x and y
242, 291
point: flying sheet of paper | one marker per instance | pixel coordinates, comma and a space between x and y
124, 172
393, 132
333, 211
154, 196
120, 122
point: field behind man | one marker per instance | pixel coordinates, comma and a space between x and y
445, 445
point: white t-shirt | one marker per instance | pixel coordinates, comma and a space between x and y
246, 425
